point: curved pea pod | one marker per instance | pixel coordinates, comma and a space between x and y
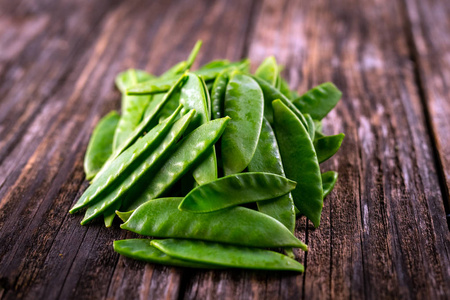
311, 127
268, 70
227, 255
218, 95
100, 145
236, 225
299, 161
193, 96
133, 108
319, 101
236, 189
114, 171
244, 103
267, 158
153, 86
284, 88
141, 249
271, 94
189, 151
211, 73
147, 166
327, 146
328, 181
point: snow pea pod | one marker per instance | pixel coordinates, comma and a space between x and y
133, 108
139, 172
189, 150
218, 95
123, 81
299, 161
244, 103
141, 249
328, 181
153, 86
267, 158
271, 94
319, 101
284, 88
234, 190
236, 225
227, 255
114, 171
100, 145
268, 70
193, 96
212, 72
327, 146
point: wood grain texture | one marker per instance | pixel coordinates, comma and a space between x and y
383, 231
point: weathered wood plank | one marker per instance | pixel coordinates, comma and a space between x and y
428, 26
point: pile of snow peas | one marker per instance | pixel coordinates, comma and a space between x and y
216, 164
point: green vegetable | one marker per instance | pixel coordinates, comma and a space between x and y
299, 161
100, 144
319, 101
218, 95
244, 104
227, 255
236, 225
236, 189
268, 70
329, 180
327, 146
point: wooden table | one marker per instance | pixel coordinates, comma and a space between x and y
384, 232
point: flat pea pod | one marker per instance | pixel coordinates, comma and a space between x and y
236, 189
193, 96
100, 145
299, 161
327, 146
153, 86
189, 150
123, 81
319, 101
311, 127
267, 158
284, 88
328, 181
236, 225
268, 70
271, 94
218, 95
227, 255
219, 63
147, 166
133, 108
114, 171
244, 103
141, 249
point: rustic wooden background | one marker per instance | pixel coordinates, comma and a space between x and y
384, 232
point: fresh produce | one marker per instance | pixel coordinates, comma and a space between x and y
216, 163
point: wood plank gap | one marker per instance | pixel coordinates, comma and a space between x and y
419, 80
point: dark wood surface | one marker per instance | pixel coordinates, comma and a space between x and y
384, 233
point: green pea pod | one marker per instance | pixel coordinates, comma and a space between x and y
234, 190
147, 166
100, 144
311, 128
244, 103
133, 107
193, 97
237, 225
153, 86
219, 63
267, 158
299, 161
124, 216
319, 101
110, 213
212, 72
284, 88
268, 70
207, 97
141, 249
271, 94
114, 171
327, 146
328, 181
227, 255
218, 95
193, 54
318, 127
189, 150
